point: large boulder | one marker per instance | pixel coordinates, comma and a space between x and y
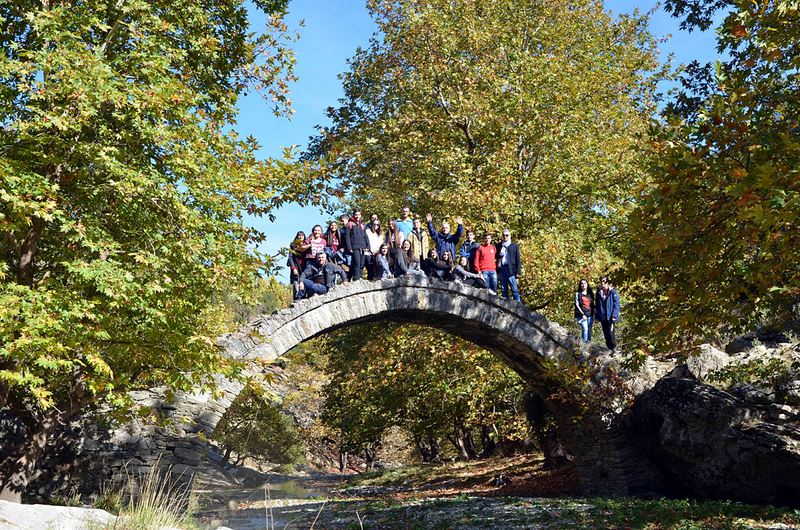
707, 360
711, 444
43, 517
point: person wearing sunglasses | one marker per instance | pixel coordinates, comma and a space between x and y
508, 266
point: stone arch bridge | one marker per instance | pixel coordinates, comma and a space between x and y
606, 460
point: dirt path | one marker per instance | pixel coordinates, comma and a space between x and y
511, 493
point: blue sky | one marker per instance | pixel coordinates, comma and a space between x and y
332, 31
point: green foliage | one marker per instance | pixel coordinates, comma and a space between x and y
254, 427
419, 379
123, 191
712, 247
526, 115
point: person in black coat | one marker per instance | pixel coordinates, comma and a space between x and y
509, 266
356, 244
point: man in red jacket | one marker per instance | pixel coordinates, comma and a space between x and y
486, 263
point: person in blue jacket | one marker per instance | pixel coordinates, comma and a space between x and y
606, 310
445, 240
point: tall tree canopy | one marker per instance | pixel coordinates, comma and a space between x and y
713, 246
123, 188
524, 115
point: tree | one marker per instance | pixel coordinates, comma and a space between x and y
434, 387
123, 191
712, 247
255, 427
522, 115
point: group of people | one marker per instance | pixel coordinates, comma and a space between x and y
345, 250
602, 306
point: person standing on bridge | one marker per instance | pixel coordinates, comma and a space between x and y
444, 240
319, 277
509, 266
584, 309
356, 245
607, 309
468, 250
405, 224
420, 244
486, 263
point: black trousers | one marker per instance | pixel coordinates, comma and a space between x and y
356, 265
608, 334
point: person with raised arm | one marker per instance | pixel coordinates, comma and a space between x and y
444, 240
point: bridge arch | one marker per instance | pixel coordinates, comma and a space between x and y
521, 338
607, 461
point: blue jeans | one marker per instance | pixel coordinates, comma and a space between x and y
312, 288
505, 280
490, 277
586, 328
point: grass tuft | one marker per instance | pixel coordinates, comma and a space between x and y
154, 502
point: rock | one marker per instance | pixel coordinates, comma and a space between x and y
710, 444
43, 517
753, 395
740, 344
789, 392
706, 361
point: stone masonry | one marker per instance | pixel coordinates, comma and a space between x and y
524, 340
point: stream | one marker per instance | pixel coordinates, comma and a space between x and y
280, 503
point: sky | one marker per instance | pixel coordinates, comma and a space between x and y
332, 31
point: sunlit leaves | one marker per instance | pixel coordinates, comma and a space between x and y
520, 115
123, 190
719, 234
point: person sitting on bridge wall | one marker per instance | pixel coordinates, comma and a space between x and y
463, 274
318, 277
444, 240
434, 267
383, 269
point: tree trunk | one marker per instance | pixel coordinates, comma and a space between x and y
27, 252
18, 467
19, 464
428, 448
371, 456
546, 432
489, 444
342, 461
462, 441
